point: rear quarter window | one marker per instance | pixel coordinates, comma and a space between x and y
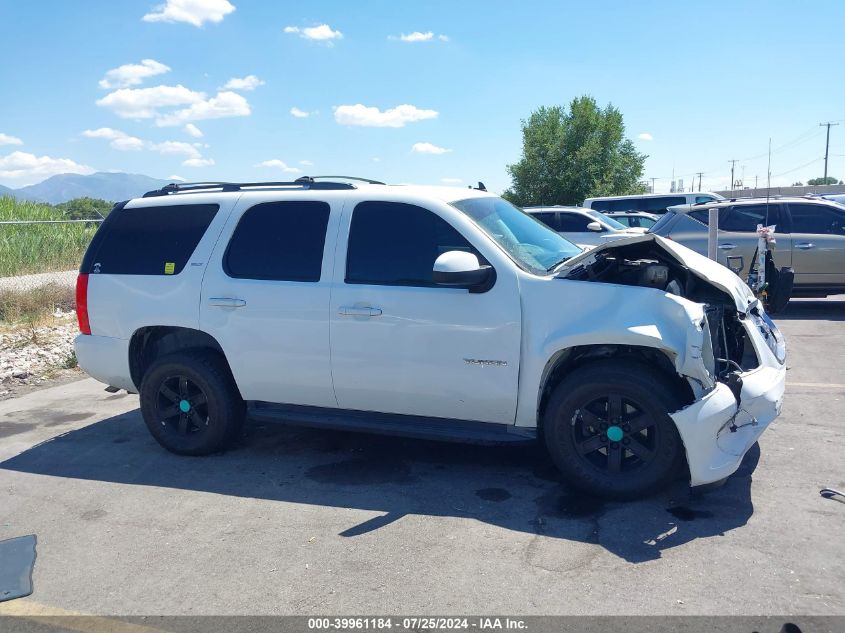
154, 240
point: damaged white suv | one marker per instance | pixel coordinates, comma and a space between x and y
428, 312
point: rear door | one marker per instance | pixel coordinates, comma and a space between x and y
265, 298
818, 244
738, 233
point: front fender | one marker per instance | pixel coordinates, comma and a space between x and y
608, 314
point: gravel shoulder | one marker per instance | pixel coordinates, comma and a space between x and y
29, 282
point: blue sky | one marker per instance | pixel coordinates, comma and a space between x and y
442, 104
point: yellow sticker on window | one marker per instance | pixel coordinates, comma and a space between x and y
169, 268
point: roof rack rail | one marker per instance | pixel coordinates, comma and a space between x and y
305, 182
366, 180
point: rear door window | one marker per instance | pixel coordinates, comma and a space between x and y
152, 240
817, 219
281, 241
746, 217
549, 219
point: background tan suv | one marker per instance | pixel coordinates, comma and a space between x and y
810, 234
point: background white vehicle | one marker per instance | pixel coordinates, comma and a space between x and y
428, 312
582, 226
656, 203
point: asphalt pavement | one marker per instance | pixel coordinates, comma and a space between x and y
298, 521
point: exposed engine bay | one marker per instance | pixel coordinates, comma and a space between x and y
646, 264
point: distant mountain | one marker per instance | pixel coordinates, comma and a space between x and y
5, 191
105, 185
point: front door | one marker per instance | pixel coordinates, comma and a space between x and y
401, 344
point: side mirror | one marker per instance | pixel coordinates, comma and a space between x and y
459, 269
594, 226
736, 263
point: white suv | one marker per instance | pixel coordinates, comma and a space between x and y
429, 312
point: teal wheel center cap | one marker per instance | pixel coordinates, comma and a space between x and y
185, 406
614, 433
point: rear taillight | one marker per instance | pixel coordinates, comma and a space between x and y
82, 303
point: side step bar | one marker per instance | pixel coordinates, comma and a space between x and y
462, 431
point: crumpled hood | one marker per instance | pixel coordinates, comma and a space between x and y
699, 265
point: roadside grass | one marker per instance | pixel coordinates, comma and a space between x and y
31, 307
38, 248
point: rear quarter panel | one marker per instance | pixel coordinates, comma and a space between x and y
118, 305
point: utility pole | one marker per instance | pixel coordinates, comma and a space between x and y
699, 174
826, 146
733, 162
652, 184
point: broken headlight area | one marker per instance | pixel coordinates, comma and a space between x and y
771, 334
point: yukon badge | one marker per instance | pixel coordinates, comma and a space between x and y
486, 363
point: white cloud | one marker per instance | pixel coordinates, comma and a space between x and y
428, 148
132, 74
25, 168
198, 162
177, 178
376, 159
418, 36
193, 130
362, 115
195, 12
250, 82
279, 164
451, 181
306, 163
322, 33
6, 139
645, 136
178, 148
225, 104
299, 114
144, 103
118, 139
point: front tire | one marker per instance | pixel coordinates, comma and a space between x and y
190, 403
608, 430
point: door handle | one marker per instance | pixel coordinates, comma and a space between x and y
359, 311
226, 302
805, 246
727, 247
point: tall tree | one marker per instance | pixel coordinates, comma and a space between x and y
575, 153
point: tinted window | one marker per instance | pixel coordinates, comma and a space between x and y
702, 215
573, 223
659, 205
279, 240
746, 217
395, 244
155, 240
700, 199
817, 219
549, 219
602, 205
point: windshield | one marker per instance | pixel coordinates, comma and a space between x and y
530, 243
614, 224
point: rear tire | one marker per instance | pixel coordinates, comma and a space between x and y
190, 403
608, 430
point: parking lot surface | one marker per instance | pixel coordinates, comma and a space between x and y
298, 521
